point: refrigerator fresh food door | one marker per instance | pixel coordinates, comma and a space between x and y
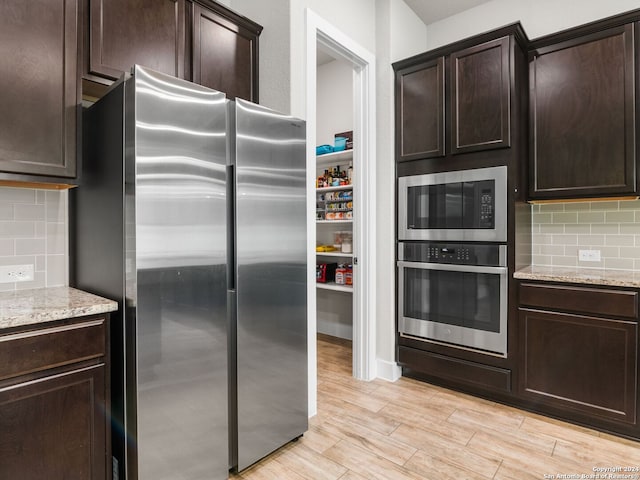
271, 282
176, 252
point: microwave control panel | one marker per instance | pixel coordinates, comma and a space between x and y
486, 208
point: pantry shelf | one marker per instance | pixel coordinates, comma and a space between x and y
335, 287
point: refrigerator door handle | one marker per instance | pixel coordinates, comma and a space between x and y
231, 228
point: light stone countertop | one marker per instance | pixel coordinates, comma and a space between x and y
28, 307
591, 276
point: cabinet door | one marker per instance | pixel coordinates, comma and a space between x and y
579, 363
125, 32
39, 86
582, 117
55, 427
224, 55
420, 111
480, 97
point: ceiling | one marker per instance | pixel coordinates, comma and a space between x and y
431, 11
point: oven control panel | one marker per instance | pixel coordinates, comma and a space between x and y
452, 253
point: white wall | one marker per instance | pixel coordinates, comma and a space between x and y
274, 43
538, 18
400, 33
334, 100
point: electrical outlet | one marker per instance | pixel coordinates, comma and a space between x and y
16, 273
589, 255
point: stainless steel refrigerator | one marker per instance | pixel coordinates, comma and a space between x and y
191, 214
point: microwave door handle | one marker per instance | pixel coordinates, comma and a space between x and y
454, 268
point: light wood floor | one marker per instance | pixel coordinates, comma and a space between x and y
413, 430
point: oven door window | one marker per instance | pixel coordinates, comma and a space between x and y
463, 299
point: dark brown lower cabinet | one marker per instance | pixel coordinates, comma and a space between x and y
580, 365
54, 421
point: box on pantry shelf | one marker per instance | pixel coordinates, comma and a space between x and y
349, 136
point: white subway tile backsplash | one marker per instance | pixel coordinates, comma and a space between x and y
56, 238
562, 261
599, 264
551, 228
552, 250
630, 229
620, 217
39, 281
630, 252
550, 207
612, 227
605, 228
33, 230
619, 263
24, 211
7, 247
6, 211
577, 228
541, 238
577, 206
14, 229
542, 260
570, 250
591, 240
31, 246
590, 217
630, 205
565, 239
542, 217
17, 195
41, 263
609, 205
56, 270
56, 207
565, 217
620, 240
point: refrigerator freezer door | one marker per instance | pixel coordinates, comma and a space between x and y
271, 281
176, 252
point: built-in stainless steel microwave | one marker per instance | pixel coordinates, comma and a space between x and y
465, 205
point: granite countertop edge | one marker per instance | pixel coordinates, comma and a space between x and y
587, 276
41, 305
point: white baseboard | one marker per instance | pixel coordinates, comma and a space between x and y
389, 371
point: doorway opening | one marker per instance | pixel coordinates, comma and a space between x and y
331, 43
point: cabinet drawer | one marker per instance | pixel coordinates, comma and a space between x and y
592, 301
36, 350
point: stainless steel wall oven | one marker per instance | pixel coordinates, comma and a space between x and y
452, 258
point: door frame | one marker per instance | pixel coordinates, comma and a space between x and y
320, 32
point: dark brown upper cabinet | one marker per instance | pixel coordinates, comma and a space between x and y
463, 105
225, 53
201, 41
481, 100
125, 32
420, 110
582, 116
39, 89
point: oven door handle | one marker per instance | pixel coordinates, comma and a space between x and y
454, 268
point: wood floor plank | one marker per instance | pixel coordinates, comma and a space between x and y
435, 465
382, 445
353, 395
410, 430
368, 464
484, 419
310, 464
318, 439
